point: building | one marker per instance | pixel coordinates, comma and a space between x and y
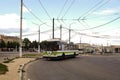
82, 45
9, 38
115, 48
98, 49
85, 48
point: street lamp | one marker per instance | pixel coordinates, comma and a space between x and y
39, 35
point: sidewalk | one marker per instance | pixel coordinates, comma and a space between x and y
13, 67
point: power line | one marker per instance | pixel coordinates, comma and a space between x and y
62, 8
82, 33
90, 35
83, 25
44, 9
101, 24
68, 8
96, 8
43, 32
95, 36
91, 8
34, 15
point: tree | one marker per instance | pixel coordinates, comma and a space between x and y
8, 45
26, 43
43, 45
12, 45
2, 44
35, 44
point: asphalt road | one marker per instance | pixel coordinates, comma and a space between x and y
80, 68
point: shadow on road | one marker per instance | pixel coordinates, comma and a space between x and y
61, 59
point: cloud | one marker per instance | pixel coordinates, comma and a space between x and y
10, 23
25, 10
9, 20
13, 30
115, 42
107, 12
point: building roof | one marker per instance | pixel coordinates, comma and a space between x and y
115, 46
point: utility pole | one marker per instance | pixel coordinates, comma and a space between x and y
60, 32
80, 39
69, 35
70, 31
80, 43
21, 11
53, 29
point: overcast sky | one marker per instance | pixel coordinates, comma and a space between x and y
92, 21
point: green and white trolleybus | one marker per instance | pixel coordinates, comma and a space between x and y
59, 49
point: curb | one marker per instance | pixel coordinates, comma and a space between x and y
22, 66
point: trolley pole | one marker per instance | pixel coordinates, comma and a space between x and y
21, 11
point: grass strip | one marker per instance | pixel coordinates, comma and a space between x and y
31, 55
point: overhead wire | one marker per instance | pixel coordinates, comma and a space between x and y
62, 9
89, 12
100, 4
73, 1
97, 8
88, 35
101, 24
44, 9
34, 15
83, 25
91, 9
83, 17
34, 33
94, 36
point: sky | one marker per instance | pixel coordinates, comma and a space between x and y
90, 21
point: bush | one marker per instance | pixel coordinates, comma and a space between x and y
3, 69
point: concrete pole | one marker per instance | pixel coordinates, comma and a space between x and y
53, 29
69, 36
60, 32
70, 32
39, 40
21, 10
